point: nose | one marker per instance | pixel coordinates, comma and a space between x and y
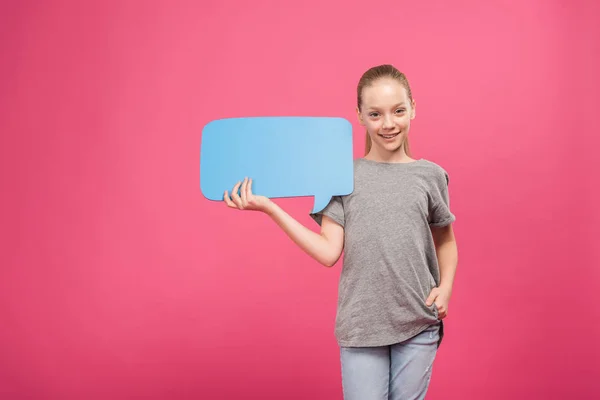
387, 122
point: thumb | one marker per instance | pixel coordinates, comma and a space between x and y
432, 296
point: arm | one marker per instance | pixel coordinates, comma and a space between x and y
447, 254
325, 247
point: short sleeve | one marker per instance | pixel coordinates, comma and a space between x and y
334, 210
439, 202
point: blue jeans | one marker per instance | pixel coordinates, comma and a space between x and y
398, 372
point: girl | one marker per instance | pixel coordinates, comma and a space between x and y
400, 254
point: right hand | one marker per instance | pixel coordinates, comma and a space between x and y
247, 200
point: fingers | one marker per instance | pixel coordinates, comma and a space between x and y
244, 194
241, 200
432, 296
442, 312
229, 202
235, 197
249, 194
441, 309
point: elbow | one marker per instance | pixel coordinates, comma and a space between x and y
330, 261
330, 252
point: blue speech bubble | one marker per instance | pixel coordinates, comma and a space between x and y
284, 156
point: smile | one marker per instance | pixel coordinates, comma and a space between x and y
389, 136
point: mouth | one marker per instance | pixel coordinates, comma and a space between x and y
390, 136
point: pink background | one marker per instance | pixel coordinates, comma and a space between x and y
119, 280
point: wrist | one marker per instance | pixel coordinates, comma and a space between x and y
447, 287
269, 208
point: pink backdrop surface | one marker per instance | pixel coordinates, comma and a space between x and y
119, 280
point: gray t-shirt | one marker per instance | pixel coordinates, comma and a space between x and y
389, 263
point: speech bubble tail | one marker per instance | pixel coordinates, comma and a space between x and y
320, 203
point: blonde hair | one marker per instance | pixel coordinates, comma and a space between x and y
374, 74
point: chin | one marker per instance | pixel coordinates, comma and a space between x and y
392, 146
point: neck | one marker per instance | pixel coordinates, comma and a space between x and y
380, 155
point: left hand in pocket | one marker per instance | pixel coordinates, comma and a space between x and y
440, 297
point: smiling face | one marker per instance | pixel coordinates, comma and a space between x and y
386, 111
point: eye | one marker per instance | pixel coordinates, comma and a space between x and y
373, 115
400, 110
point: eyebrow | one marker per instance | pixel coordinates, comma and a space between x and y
377, 108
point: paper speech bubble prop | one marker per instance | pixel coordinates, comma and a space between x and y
284, 156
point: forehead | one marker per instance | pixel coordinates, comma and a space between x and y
384, 92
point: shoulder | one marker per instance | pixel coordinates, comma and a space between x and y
360, 166
358, 162
434, 172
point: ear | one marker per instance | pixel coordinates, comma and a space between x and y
413, 111
360, 118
